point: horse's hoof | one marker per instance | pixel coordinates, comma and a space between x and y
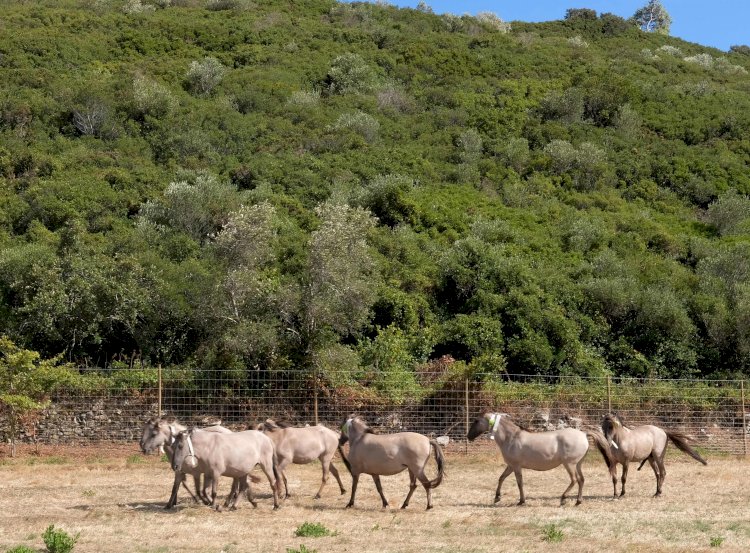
349, 505
428, 507
254, 504
497, 499
343, 491
316, 496
578, 502
275, 507
520, 503
219, 508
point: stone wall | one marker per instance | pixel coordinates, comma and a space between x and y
88, 420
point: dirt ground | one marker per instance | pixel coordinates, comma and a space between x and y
114, 498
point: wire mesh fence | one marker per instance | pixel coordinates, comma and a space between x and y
438, 403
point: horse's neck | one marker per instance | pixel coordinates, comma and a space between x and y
356, 431
507, 429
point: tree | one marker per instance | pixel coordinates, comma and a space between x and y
25, 384
653, 17
580, 13
339, 282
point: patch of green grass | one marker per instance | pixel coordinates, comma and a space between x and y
58, 540
164, 458
88, 493
21, 549
51, 460
313, 530
135, 459
302, 549
716, 541
552, 533
446, 524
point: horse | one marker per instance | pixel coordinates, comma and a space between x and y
301, 446
389, 454
538, 450
158, 434
233, 455
641, 443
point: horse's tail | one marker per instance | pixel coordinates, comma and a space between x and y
681, 441
440, 460
601, 444
343, 458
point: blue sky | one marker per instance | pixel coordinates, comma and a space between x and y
718, 23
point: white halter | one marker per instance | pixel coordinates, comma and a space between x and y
191, 459
494, 420
345, 427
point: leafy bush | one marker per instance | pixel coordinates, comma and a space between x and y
312, 530
204, 76
350, 74
58, 540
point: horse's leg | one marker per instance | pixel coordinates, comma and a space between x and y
249, 494
572, 474
204, 489
503, 476
655, 468
215, 475
267, 468
624, 477
183, 480
519, 481
581, 479
376, 478
412, 487
355, 480
613, 474
281, 467
325, 464
178, 478
233, 493
335, 473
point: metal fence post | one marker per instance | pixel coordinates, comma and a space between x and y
315, 395
744, 418
159, 371
466, 404
609, 394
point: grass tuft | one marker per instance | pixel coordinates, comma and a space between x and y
552, 533
313, 530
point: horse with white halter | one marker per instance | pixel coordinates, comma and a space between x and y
158, 434
388, 454
538, 450
233, 455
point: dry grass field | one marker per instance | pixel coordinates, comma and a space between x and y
114, 498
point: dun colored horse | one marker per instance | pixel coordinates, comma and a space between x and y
388, 454
301, 446
159, 434
641, 443
233, 455
538, 451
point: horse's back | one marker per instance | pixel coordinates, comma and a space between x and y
545, 450
387, 454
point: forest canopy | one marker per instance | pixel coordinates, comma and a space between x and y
264, 186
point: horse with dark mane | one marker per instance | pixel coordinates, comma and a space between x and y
301, 446
642, 443
538, 450
387, 454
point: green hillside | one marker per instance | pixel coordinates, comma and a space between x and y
261, 186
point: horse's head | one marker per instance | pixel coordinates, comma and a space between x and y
611, 422
155, 434
352, 426
184, 454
